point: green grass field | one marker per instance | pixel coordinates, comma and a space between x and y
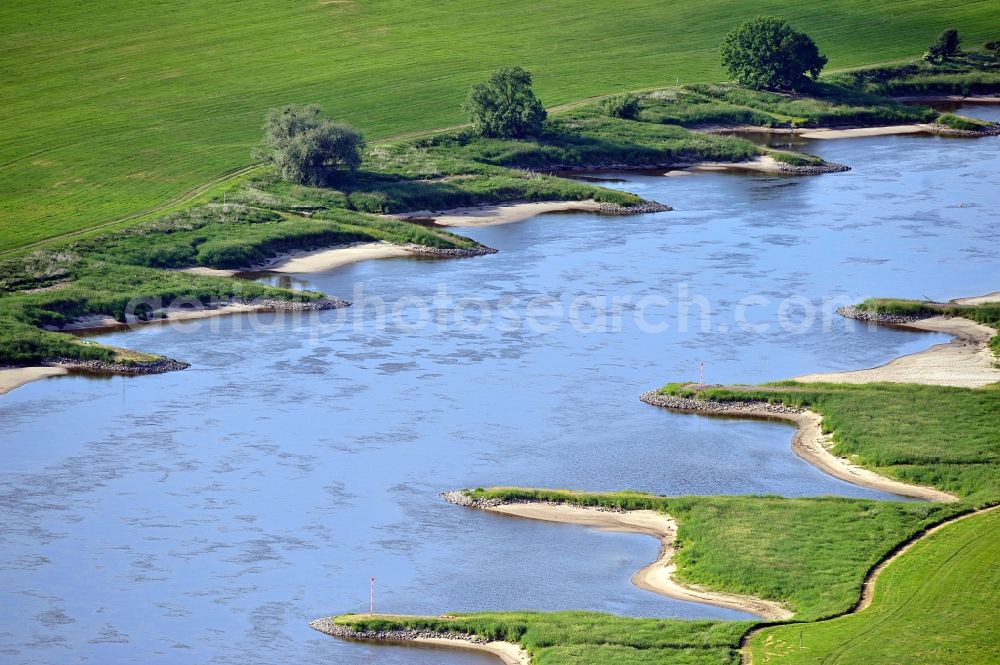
936, 604
112, 110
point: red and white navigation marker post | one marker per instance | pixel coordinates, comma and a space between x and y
371, 599
702, 374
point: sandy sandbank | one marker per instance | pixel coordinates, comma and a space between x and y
508, 652
764, 164
965, 362
859, 132
978, 300
657, 577
329, 259
15, 377
319, 260
768, 164
102, 322
967, 99
491, 215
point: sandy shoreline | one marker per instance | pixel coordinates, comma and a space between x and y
978, 300
965, 362
329, 259
657, 577
508, 652
859, 132
15, 377
764, 164
491, 215
318, 260
173, 314
966, 99
826, 132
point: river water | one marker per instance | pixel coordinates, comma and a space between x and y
208, 515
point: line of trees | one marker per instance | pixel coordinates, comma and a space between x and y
306, 146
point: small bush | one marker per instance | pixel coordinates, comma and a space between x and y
946, 46
625, 106
795, 158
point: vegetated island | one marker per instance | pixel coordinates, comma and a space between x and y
273, 214
815, 558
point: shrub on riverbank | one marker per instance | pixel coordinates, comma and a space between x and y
851, 98
454, 183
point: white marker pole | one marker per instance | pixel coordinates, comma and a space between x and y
371, 600
702, 373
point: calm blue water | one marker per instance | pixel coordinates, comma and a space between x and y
207, 515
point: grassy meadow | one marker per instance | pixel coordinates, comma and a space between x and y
935, 604
115, 111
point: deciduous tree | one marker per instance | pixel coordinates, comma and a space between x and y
307, 147
768, 53
505, 106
